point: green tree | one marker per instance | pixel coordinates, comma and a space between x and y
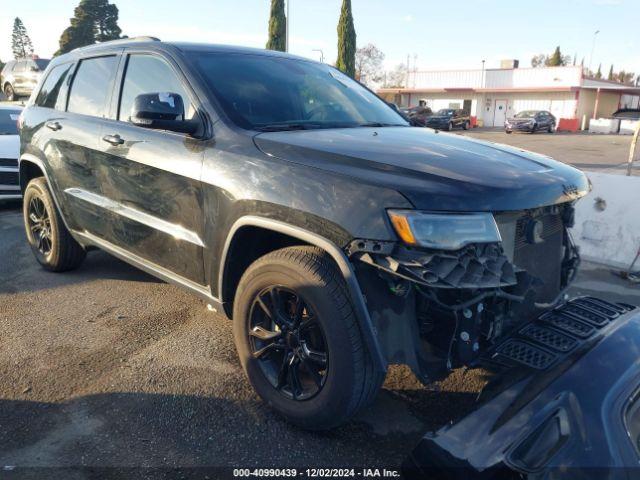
346, 41
277, 27
20, 42
611, 74
93, 21
556, 60
599, 72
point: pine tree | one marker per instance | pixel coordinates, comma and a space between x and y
93, 21
556, 59
599, 72
611, 75
277, 27
346, 41
20, 42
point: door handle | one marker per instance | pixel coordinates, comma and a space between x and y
113, 139
55, 126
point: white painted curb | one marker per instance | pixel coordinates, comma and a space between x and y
607, 228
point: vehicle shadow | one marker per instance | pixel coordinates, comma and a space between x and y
19, 271
181, 431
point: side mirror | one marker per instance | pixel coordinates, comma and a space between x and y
33, 68
161, 111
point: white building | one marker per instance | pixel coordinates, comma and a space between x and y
491, 95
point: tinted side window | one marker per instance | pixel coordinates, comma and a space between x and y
150, 74
92, 85
48, 95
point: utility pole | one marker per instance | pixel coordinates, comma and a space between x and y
593, 46
287, 28
321, 54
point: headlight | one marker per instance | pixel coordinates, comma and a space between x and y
444, 231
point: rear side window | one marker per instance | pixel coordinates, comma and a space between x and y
50, 91
92, 86
150, 74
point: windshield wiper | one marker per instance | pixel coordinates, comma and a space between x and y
277, 127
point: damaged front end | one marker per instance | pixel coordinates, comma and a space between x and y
442, 303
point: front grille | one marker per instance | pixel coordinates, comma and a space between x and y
8, 162
526, 354
541, 260
586, 315
568, 324
9, 178
548, 337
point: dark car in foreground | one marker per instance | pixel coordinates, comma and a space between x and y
531, 121
571, 412
19, 77
9, 152
448, 119
627, 114
339, 239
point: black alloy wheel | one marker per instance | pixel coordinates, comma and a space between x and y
39, 223
289, 342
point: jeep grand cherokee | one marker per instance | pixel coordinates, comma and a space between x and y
338, 238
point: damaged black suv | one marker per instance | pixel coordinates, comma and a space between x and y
338, 238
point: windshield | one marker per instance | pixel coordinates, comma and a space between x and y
8, 119
261, 92
42, 63
445, 112
527, 114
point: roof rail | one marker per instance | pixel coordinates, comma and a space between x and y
143, 38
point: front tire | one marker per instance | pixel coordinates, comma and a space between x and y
299, 341
465, 126
50, 241
9, 93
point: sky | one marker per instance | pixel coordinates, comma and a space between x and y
435, 34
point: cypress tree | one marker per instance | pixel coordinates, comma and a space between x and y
93, 21
556, 59
277, 27
599, 72
346, 41
20, 42
610, 77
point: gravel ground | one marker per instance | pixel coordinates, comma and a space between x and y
108, 367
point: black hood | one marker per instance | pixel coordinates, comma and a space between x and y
435, 171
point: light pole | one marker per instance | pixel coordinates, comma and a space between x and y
321, 54
482, 77
593, 46
287, 28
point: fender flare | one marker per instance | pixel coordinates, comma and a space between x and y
359, 305
29, 158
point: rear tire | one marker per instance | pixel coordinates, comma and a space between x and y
346, 381
9, 93
50, 241
551, 129
465, 126
450, 127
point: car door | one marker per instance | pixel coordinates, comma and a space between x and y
150, 179
18, 76
70, 133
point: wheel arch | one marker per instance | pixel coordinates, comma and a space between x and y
31, 167
279, 235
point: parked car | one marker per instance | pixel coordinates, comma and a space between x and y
297, 202
9, 152
531, 121
448, 119
418, 115
20, 77
627, 114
